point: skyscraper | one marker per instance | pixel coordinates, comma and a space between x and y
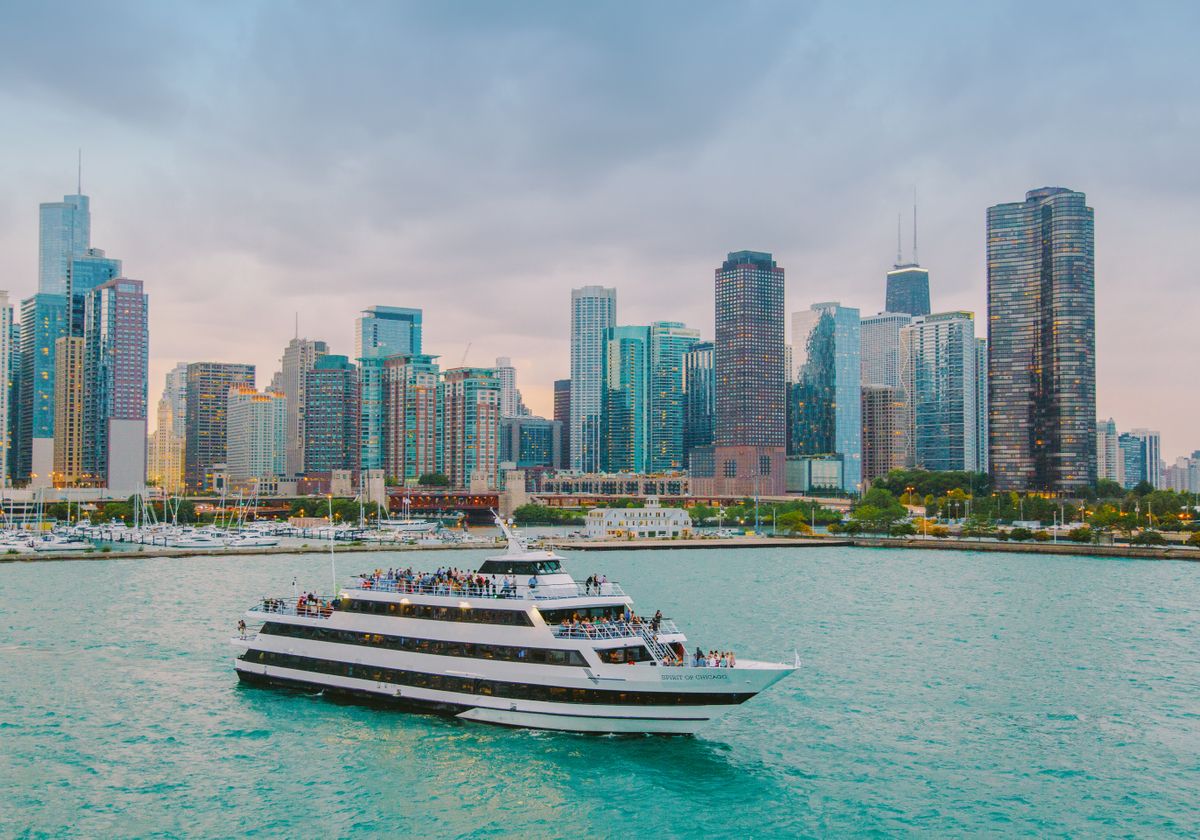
593, 311
1152, 455
699, 398
885, 430
85, 273
1107, 451
669, 343
298, 359
880, 336
908, 290
825, 409
387, 330
624, 403
208, 385
511, 404
44, 319
64, 231
165, 459
1042, 342
116, 384
7, 332
331, 439
68, 414
256, 436
749, 435
562, 413
1133, 460
531, 442
981, 406
938, 372
471, 427
412, 409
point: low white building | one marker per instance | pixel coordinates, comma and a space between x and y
649, 521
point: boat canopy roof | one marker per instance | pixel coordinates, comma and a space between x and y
506, 566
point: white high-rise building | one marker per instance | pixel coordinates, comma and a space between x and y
593, 311
256, 435
880, 336
1108, 453
511, 403
165, 457
299, 357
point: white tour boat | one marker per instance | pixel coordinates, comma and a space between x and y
517, 643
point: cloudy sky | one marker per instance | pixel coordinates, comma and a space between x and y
251, 161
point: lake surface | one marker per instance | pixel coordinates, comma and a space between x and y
942, 693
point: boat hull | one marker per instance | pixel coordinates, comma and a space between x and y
561, 717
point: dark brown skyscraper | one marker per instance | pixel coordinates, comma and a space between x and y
1042, 342
748, 360
562, 413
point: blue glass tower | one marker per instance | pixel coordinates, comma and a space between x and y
64, 232
387, 331
625, 380
825, 404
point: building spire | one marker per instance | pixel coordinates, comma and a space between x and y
79, 175
297, 324
915, 260
899, 256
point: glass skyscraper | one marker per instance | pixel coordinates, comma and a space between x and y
699, 398
825, 405
85, 273
626, 382
1042, 342
908, 290
562, 413
593, 311
939, 375
669, 343
44, 319
385, 331
331, 415
116, 384
64, 232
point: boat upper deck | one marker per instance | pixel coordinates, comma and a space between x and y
479, 587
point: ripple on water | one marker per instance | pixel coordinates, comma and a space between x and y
941, 694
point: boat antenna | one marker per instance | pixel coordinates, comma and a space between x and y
332, 556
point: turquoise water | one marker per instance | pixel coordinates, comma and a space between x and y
943, 693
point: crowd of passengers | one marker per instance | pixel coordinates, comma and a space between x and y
714, 659
604, 625
445, 581
309, 604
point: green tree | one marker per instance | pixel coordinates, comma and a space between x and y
1194, 539
1020, 534
532, 514
1149, 538
1108, 489
793, 522
878, 511
434, 480
1082, 534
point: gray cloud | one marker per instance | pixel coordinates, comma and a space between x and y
478, 159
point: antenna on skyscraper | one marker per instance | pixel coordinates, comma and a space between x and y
915, 260
297, 325
899, 257
79, 175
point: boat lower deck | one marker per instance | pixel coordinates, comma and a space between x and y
667, 718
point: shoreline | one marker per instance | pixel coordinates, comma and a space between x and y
935, 544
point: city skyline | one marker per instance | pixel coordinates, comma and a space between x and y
216, 243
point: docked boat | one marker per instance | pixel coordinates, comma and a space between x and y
517, 643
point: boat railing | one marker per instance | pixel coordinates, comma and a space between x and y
292, 606
615, 630
520, 592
